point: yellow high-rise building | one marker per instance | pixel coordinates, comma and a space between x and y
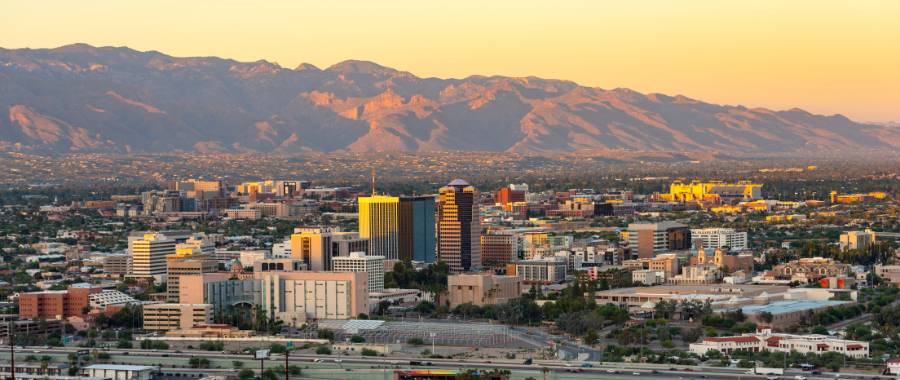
379, 221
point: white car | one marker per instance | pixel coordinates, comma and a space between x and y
636, 373
318, 360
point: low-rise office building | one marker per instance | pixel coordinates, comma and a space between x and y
546, 270
482, 289
176, 316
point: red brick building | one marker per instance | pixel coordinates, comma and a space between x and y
56, 304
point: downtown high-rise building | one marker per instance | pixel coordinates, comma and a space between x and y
148, 254
398, 228
379, 221
459, 227
417, 235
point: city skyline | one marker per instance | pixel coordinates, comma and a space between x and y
826, 57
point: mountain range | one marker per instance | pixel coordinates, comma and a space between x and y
80, 98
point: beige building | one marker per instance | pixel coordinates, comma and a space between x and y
857, 239
666, 262
292, 297
697, 274
651, 239
176, 316
187, 265
811, 269
243, 213
117, 264
482, 289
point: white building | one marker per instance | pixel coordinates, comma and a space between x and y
199, 243
109, 297
648, 277
248, 257
148, 254
547, 270
360, 262
720, 237
893, 366
120, 371
765, 340
282, 250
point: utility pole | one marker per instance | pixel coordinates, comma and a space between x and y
12, 350
287, 352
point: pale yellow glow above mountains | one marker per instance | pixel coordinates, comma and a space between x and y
823, 56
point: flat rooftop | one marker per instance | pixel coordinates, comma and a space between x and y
686, 290
781, 307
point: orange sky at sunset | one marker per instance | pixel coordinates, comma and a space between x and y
823, 56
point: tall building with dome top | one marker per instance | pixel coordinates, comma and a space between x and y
459, 227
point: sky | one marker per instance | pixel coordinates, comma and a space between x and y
823, 56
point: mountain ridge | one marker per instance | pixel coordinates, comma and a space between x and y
83, 98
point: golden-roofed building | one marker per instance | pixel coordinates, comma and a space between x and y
712, 192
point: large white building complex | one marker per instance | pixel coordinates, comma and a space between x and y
720, 237
765, 340
373, 266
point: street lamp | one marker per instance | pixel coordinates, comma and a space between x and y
432, 342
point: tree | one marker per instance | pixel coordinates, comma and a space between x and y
591, 337
424, 307
277, 348
323, 350
357, 339
691, 335
246, 374
766, 317
325, 334
369, 352
196, 362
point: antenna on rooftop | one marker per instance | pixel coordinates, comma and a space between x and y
373, 181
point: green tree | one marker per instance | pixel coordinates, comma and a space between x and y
246, 374
590, 338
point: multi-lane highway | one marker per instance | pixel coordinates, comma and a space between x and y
361, 367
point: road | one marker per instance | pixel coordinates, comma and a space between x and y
360, 367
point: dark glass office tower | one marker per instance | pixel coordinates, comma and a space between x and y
417, 235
